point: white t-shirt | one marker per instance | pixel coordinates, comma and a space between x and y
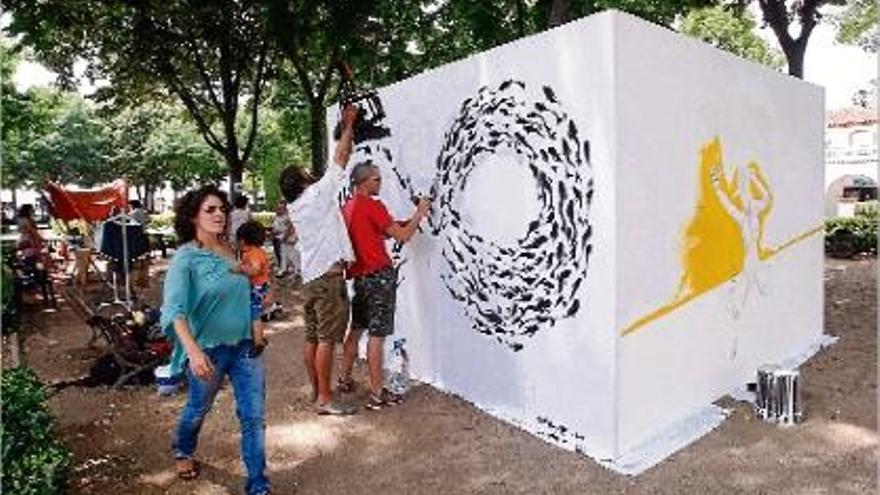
323, 238
237, 218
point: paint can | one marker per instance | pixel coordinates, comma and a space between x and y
166, 383
788, 405
764, 393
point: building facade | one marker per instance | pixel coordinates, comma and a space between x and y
850, 159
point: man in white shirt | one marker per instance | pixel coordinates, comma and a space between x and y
324, 251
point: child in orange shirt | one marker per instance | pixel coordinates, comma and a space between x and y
255, 264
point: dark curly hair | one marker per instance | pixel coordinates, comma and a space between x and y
26, 210
241, 202
251, 233
187, 208
293, 181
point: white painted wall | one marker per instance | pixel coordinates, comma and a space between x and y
674, 95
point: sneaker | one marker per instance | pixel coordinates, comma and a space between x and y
333, 409
375, 403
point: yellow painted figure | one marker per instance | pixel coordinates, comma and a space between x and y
724, 240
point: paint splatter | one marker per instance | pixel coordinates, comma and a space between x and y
560, 434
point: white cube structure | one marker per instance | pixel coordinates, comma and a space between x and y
626, 224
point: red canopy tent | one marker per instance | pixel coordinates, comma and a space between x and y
90, 205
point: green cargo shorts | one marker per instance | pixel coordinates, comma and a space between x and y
326, 308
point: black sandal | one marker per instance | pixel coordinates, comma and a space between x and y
391, 398
375, 403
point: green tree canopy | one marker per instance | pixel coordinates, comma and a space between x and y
733, 33
76, 148
211, 55
857, 25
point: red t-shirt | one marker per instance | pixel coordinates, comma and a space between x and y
366, 219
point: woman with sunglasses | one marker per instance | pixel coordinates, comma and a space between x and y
206, 312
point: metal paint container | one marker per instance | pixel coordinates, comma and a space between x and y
788, 405
764, 393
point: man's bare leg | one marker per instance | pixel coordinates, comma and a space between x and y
324, 368
349, 354
309, 359
375, 351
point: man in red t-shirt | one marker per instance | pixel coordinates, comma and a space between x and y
375, 278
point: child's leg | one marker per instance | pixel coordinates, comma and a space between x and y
257, 332
256, 314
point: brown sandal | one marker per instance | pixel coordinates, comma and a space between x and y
187, 473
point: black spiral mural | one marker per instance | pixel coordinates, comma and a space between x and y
512, 291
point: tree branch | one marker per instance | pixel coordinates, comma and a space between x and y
203, 72
193, 107
776, 16
302, 75
808, 15
230, 96
328, 74
258, 91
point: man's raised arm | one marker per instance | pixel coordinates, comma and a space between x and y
345, 143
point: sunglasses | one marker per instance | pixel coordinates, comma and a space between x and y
211, 209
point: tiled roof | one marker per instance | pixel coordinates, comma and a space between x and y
845, 117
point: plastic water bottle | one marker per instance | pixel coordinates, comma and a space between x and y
398, 380
166, 383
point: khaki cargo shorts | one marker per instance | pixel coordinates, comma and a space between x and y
326, 308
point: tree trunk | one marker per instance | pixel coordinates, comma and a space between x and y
318, 132
560, 13
795, 57
149, 198
15, 354
236, 171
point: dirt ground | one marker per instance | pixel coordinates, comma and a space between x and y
438, 444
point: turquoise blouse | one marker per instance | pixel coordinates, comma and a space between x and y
201, 287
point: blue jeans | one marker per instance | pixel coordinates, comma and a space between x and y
248, 377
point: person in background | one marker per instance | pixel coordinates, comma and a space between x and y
276, 231
30, 241
137, 212
206, 313
239, 215
140, 268
285, 234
